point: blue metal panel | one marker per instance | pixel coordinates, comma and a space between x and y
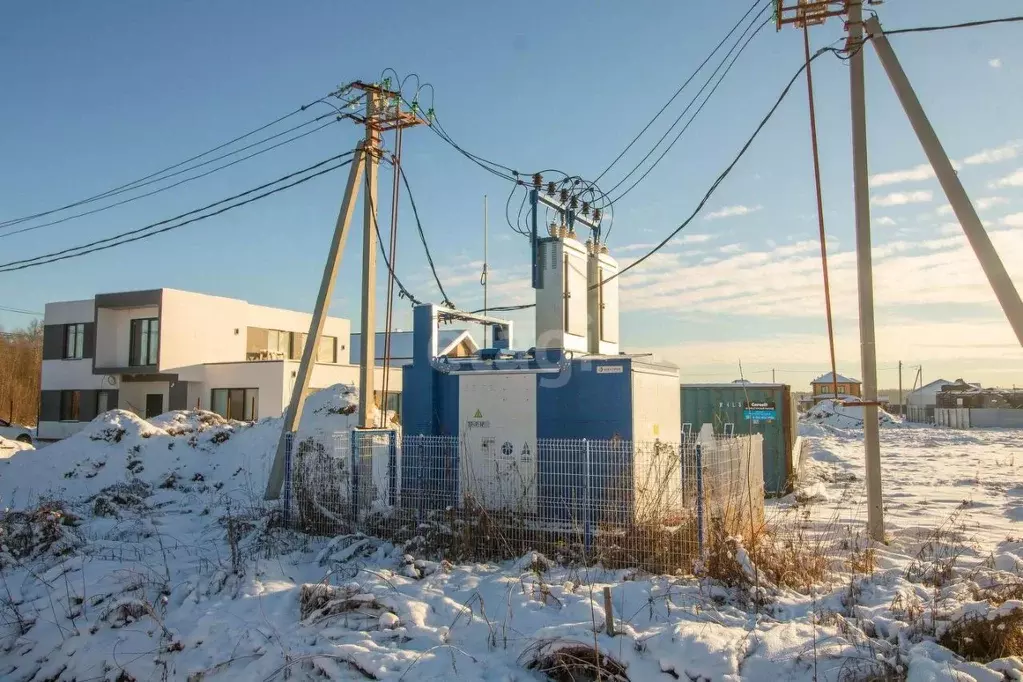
582, 403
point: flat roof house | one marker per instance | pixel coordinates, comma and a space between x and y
163, 349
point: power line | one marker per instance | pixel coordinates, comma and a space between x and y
422, 238
181, 182
733, 53
20, 311
714, 186
946, 27
141, 233
728, 169
402, 291
133, 183
679, 91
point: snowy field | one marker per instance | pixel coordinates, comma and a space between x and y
162, 564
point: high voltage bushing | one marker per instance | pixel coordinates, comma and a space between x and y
550, 189
586, 208
537, 180
564, 195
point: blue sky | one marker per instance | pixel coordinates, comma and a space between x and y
98, 94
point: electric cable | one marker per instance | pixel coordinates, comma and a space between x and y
133, 183
173, 185
141, 233
19, 311
402, 291
946, 27
714, 186
679, 91
740, 44
422, 238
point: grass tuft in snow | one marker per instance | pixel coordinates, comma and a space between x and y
571, 661
988, 634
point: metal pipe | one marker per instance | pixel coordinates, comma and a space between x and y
864, 272
979, 240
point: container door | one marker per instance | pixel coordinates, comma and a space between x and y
497, 434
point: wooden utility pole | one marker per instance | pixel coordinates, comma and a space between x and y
997, 276
901, 406
367, 357
808, 13
381, 113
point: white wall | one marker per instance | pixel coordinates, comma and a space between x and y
292, 321
58, 430
657, 413
113, 334
196, 328
267, 376
68, 374
926, 396
69, 312
132, 395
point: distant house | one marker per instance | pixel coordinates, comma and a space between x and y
453, 343
824, 387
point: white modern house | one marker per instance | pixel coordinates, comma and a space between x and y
163, 349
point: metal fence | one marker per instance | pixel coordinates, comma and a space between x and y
653, 505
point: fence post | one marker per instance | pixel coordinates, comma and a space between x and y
587, 501
392, 465
354, 477
699, 500
289, 440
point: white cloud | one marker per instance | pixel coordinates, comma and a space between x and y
1011, 180
886, 221
902, 198
695, 238
987, 202
1007, 151
995, 63
921, 172
731, 248
945, 209
1012, 220
634, 247
729, 211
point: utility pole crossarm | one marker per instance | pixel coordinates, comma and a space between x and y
994, 269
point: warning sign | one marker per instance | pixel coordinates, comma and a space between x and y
478, 415
525, 454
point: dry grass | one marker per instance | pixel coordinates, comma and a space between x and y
982, 639
572, 661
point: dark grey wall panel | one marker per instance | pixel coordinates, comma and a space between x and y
89, 347
49, 406
178, 396
87, 406
53, 342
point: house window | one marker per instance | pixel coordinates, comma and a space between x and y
297, 344
236, 403
327, 351
102, 401
74, 341
69, 405
393, 401
145, 342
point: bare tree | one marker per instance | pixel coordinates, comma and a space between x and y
21, 355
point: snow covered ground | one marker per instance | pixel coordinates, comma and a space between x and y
162, 563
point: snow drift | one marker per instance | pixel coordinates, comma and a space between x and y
833, 413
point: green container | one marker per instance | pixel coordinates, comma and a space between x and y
767, 409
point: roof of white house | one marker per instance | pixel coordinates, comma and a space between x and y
937, 383
401, 345
826, 379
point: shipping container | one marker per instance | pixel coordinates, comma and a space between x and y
745, 408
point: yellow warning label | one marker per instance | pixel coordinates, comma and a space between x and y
478, 415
